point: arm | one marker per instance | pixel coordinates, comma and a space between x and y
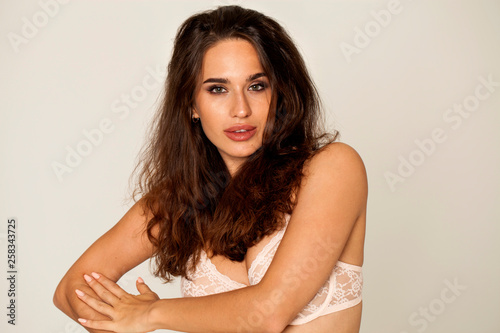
122, 248
331, 200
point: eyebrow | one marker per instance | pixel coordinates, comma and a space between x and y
224, 80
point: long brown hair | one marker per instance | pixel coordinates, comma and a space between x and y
194, 201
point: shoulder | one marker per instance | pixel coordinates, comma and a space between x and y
335, 174
336, 158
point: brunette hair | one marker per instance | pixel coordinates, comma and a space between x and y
194, 201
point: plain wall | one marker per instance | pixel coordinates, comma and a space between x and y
403, 81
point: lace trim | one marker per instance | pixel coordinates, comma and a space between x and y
351, 267
331, 309
342, 290
207, 280
266, 252
223, 277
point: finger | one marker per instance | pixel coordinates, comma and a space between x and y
101, 291
97, 324
109, 285
95, 304
142, 287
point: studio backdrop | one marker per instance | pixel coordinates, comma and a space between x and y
413, 86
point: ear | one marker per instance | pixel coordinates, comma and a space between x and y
194, 113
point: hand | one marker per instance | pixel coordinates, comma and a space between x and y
127, 313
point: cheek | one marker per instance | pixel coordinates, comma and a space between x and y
260, 104
207, 127
210, 121
261, 110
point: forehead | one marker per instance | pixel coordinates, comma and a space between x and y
231, 58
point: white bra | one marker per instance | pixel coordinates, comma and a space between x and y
342, 289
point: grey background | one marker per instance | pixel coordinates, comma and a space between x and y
439, 225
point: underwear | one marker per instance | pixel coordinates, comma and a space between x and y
341, 290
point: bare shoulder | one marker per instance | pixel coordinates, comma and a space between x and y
340, 161
334, 191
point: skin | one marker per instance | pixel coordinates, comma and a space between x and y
329, 219
239, 100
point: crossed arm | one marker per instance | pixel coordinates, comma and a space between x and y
331, 200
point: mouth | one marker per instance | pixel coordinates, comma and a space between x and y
240, 132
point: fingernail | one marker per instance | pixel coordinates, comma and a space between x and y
87, 278
81, 320
140, 280
96, 276
79, 292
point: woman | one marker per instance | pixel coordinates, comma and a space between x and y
261, 215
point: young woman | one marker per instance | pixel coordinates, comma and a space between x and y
260, 213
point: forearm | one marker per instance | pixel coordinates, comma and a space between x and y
65, 299
249, 309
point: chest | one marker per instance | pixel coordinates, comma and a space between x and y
239, 271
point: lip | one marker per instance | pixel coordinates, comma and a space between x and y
242, 136
239, 127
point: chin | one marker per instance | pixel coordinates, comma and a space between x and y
246, 152
241, 153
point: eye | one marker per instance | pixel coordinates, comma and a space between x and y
258, 86
216, 90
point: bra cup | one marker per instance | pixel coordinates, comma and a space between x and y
341, 290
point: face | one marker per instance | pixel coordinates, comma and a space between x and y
232, 100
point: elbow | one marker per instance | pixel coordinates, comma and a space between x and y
60, 298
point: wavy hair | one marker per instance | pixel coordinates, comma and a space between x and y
195, 203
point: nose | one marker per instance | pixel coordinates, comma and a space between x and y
240, 108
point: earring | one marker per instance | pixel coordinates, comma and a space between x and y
195, 119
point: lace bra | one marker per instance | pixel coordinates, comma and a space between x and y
342, 289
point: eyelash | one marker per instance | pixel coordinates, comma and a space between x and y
212, 88
262, 86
